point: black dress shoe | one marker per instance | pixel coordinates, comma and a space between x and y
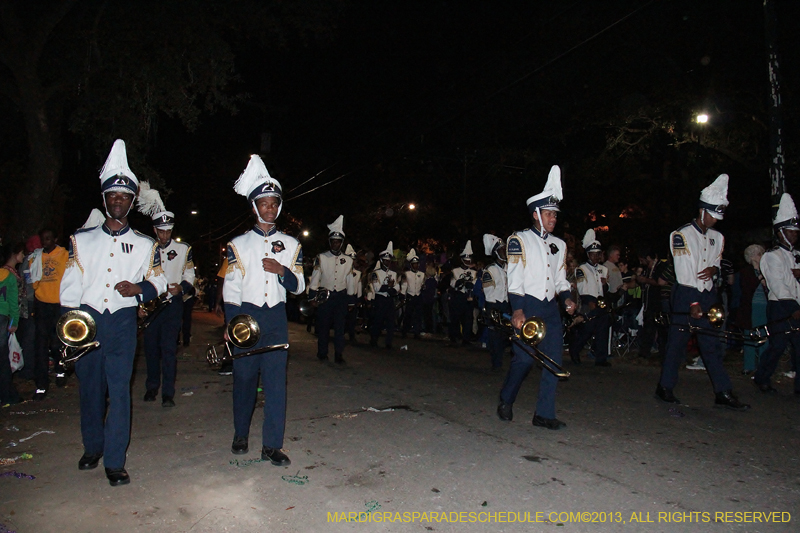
765, 387
665, 395
275, 456
505, 412
239, 446
549, 423
167, 401
602, 363
727, 400
61, 380
117, 477
89, 461
339, 358
150, 395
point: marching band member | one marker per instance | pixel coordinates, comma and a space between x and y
263, 264
160, 334
111, 268
536, 278
410, 290
495, 290
780, 270
592, 282
697, 250
332, 272
383, 282
354, 299
461, 299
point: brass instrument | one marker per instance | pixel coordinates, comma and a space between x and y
243, 332
152, 308
528, 337
307, 305
602, 303
716, 317
76, 329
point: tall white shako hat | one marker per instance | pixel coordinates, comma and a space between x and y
336, 229
255, 182
116, 175
388, 252
412, 256
466, 253
491, 243
150, 204
714, 198
349, 251
786, 217
590, 242
551, 196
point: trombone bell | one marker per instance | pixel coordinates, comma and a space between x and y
716, 315
243, 331
533, 330
76, 328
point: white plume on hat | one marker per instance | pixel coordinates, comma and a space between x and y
717, 192
96, 217
349, 251
117, 163
590, 239
412, 255
388, 251
467, 251
489, 242
786, 211
337, 226
551, 189
254, 175
149, 200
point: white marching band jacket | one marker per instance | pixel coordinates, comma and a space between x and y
247, 281
176, 260
332, 272
588, 278
536, 265
776, 266
100, 258
412, 283
693, 252
378, 278
495, 283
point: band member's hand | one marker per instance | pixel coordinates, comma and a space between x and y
271, 265
518, 318
796, 273
141, 312
174, 289
127, 289
570, 305
225, 335
12, 329
707, 273
390, 282
695, 311
603, 281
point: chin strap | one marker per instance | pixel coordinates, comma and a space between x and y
785, 240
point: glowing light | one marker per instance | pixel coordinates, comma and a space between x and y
305, 233
177, 239
412, 206
194, 212
702, 118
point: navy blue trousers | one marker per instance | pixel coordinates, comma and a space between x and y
460, 326
159, 346
780, 310
497, 340
108, 369
383, 316
521, 363
712, 349
331, 313
412, 315
599, 320
271, 366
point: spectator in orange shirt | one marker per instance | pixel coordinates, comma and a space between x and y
47, 269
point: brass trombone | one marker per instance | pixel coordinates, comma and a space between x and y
244, 333
76, 329
716, 317
152, 308
528, 337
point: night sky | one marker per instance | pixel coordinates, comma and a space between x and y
462, 107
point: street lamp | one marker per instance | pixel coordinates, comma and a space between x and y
702, 118
305, 233
412, 207
193, 212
